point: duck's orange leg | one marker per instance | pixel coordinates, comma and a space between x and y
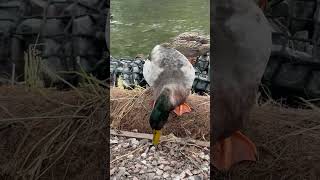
181, 109
233, 150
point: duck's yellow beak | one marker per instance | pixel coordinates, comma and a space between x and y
156, 137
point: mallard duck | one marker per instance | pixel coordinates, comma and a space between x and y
170, 75
242, 46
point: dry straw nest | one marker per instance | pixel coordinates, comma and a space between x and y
288, 139
131, 109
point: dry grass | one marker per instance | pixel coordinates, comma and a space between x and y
32, 67
49, 134
288, 140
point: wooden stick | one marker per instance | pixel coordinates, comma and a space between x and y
163, 138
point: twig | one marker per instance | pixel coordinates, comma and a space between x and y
192, 161
6, 110
303, 130
163, 138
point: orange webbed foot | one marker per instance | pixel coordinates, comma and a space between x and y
233, 150
182, 109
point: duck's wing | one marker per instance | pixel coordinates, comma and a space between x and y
168, 64
151, 72
189, 73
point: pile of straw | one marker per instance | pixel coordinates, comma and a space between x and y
131, 110
49, 134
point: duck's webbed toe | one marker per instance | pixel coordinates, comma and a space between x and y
182, 109
233, 150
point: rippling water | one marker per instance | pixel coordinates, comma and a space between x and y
138, 25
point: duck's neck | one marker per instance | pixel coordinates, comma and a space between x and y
173, 94
164, 101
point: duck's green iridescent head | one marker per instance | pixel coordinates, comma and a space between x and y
160, 115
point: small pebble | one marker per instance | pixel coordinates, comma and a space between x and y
173, 162
167, 168
122, 171
161, 166
164, 162
136, 170
159, 172
174, 175
144, 141
194, 178
166, 175
188, 172
182, 175
112, 171
205, 168
151, 175
114, 141
152, 149
172, 152
143, 155
144, 162
195, 171
125, 145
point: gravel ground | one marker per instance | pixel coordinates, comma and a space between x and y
133, 158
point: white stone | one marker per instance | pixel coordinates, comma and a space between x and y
161, 166
166, 175
167, 168
159, 172
182, 174
143, 155
114, 141
188, 172
144, 162
125, 145
112, 171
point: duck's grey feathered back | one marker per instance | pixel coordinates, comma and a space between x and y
167, 67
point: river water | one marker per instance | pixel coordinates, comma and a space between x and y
138, 25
